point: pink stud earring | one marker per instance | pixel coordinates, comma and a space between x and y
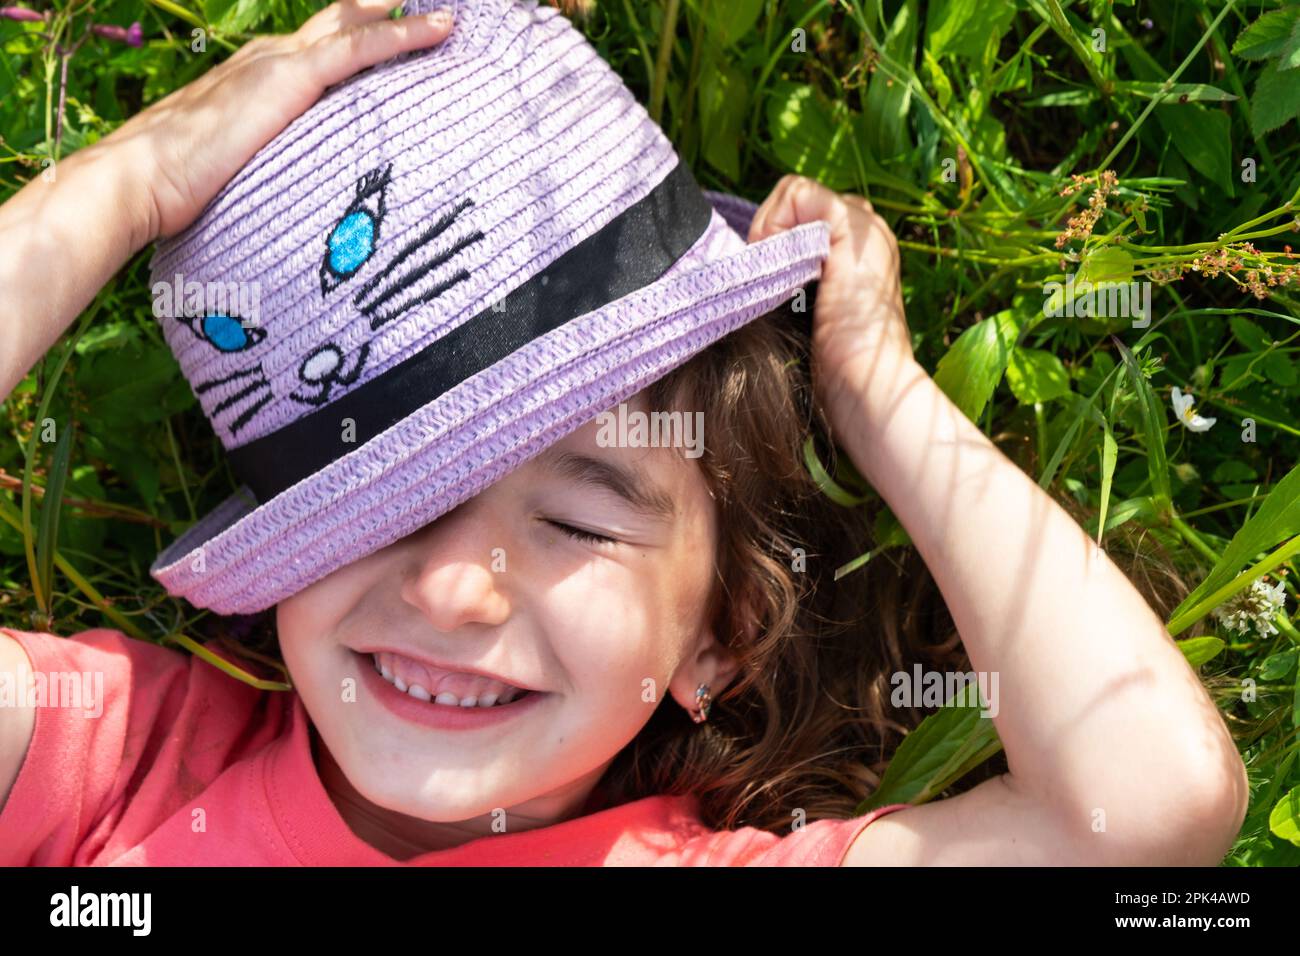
703, 701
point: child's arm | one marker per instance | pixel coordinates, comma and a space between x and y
17, 721
64, 236
1117, 754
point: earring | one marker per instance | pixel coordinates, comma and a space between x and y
704, 701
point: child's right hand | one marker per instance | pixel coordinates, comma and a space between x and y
66, 234
193, 141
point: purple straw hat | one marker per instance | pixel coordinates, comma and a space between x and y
455, 259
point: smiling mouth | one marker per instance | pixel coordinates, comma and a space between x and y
495, 696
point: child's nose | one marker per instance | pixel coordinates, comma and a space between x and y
457, 571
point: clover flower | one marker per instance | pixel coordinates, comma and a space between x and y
1252, 608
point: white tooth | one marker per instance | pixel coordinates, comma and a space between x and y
469, 702
388, 674
447, 697
399, 684
415, 690
487, 700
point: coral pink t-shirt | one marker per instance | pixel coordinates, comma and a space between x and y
181, 765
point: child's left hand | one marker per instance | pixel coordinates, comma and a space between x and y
858, 321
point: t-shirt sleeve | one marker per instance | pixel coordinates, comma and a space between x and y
103, 700
820, 843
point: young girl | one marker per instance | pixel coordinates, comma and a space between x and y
652, 678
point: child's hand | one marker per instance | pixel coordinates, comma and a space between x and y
858, 319
193, 141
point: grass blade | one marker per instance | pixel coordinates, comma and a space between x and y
51, 505
1153, 426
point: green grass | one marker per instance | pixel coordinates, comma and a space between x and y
982, 131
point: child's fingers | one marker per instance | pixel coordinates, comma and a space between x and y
343, 14
797, 200
337, 56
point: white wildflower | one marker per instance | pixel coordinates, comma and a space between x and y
1187, 413
1253, 607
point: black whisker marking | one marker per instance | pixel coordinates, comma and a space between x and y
422, 239
243, 419
439, 289
241, 373
415, 276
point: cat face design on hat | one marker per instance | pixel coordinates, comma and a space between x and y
353, 240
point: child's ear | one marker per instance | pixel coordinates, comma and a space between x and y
713, 663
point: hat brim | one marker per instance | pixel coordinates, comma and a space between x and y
245, 556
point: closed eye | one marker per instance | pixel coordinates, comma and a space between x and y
581, 535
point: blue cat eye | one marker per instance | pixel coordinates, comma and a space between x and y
225, 332
352, 242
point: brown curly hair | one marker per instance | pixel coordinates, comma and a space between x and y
808, 724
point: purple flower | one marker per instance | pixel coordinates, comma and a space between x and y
21, 13
132, 35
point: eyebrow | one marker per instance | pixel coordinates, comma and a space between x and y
631, 485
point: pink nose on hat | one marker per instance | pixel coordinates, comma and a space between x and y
447, 264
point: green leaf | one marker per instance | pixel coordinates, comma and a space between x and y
132, 385
938, 79
834, 491
1204, 138
1284, 820
1178, 92
1268, 35
243, 15
888, 531
965, 27
723, 104
806, 138
887, 104
1109, 455
1276, 99
1078, 97
1153, 427
729, 20
1279, 367
971, 369
1277, 519
214, 10
1249, 334
1290, 56
1122, 513
943, 748
1232, 469
109, 335
1037, 376
1276, 666
1198, 650
1106, 264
